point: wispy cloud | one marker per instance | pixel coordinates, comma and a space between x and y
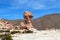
34, 4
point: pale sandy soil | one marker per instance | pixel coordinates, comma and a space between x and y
39, 35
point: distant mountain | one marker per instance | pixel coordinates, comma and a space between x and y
48, 21
14, 22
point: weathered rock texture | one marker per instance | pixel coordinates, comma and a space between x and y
5, 25
27, 24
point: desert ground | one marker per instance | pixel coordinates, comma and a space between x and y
39, 35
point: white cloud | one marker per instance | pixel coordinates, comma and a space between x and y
41, 6
34, 4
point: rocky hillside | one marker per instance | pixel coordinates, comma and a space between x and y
48, 21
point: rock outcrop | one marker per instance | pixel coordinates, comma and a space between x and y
27, 24
5, 25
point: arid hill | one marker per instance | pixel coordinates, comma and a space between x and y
45, 22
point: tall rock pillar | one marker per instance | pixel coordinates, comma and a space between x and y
28, 20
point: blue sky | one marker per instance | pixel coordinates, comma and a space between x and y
14, 9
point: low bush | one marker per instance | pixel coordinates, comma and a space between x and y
13, 32
28, 31
7, 37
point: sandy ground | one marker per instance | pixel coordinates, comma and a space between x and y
39, 35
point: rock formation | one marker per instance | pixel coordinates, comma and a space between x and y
27, 24
8, 25
5, 25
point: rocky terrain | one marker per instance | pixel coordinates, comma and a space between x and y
45, 22
48, 28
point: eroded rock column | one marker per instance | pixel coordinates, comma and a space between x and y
27, 24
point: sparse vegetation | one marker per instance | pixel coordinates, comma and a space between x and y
28, 31
13, 32
7, 37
